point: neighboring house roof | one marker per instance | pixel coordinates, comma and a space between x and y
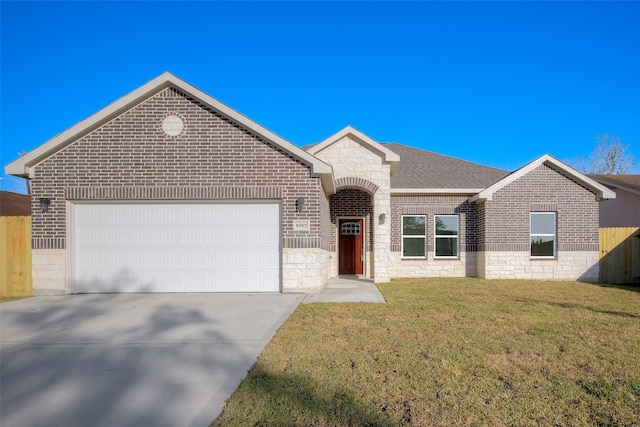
386, 154
24, 166
14, 204
435, 173
600, 190
630, 183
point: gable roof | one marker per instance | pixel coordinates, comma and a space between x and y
429, 172
387, 155
25, 165
629, 183
600, 190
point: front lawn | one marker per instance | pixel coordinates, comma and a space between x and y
452, 352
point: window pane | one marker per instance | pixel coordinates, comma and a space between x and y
447, 225
543, 223
413, 225
412, 246
542, 245
447, 246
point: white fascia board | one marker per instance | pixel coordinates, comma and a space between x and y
388, 155
24, 165
601, 191
422, 191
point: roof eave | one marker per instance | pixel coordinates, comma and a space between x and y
602, 192
387, 155
408, 191
24, 166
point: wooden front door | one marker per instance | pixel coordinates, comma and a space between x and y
350, 250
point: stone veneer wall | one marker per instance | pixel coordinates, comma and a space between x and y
353, 159
569, 265
131, 158
505, 249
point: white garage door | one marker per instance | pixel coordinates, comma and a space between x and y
176, 247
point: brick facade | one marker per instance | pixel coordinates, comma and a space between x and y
220, 155
351, 203
131, 158
431, 205
506, 217
504, 229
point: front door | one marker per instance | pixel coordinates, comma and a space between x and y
350, 251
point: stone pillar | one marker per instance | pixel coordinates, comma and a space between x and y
381, 235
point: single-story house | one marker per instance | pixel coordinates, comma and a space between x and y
169, 190
624, 210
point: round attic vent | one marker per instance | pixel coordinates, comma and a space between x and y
173, 125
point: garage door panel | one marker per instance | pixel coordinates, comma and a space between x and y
177, 247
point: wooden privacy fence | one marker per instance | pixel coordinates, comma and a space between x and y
620, 255
15, 256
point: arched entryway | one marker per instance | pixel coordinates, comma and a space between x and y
352, 221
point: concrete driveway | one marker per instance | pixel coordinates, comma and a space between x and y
130, 359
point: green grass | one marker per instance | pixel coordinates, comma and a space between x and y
452, 352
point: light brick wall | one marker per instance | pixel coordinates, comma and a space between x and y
569, 265
305, 270
431, 267
131, 158
49, 276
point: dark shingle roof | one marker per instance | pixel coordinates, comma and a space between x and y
628, 181
14, 204
425, 169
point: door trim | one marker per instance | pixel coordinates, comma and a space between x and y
363, 233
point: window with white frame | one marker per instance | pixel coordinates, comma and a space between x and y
446, 236
543, 234
414, 236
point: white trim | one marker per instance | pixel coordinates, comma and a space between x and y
619, 186
436, 237
467, 191
554, 235
388, 156
415, 236
601, 191
24, 165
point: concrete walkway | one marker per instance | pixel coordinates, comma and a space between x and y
347, 289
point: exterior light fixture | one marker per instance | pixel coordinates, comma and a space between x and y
381, 218
299, 204
44, 204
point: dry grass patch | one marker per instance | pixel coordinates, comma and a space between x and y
452, 352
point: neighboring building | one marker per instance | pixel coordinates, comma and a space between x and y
624, 210
14, 204
169, 190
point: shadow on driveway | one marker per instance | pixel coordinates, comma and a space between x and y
130, 359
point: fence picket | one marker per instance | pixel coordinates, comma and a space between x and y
15, 256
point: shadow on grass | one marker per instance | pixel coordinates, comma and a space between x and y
579, 306
631, 287
292, 399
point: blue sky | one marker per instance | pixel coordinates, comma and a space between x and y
498, 83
